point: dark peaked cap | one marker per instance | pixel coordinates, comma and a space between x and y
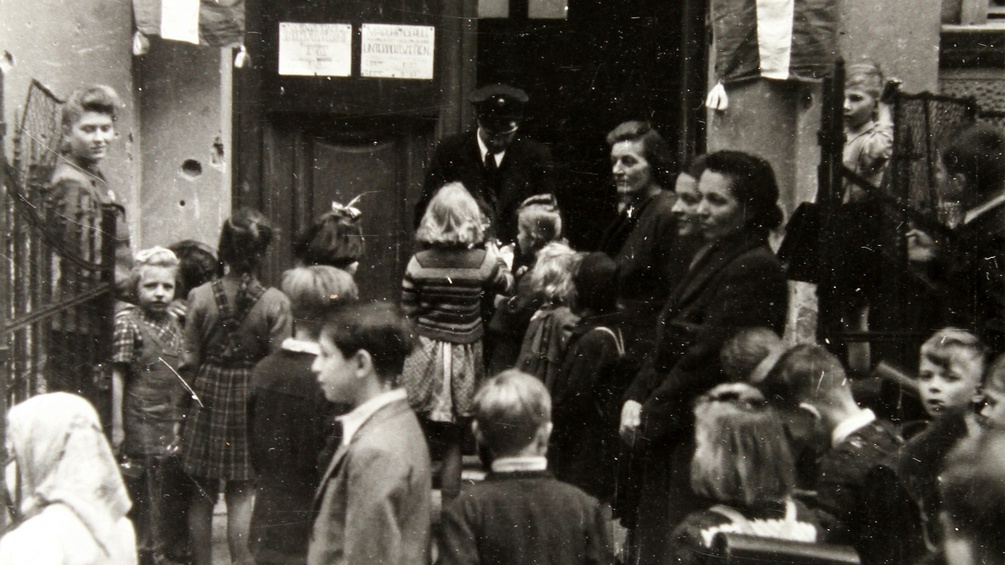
499, 102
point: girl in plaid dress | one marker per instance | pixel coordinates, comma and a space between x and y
232, 323
442, 295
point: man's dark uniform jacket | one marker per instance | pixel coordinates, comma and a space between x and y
526, 170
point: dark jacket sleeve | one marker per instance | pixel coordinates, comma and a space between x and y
578, 390
751, 292
458, 545
599, 544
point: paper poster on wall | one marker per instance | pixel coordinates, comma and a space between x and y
180, 20
397, 51
315, 49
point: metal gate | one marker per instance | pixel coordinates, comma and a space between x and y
908, 197
58, 284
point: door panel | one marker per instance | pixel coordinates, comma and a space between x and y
342, 171
311, 160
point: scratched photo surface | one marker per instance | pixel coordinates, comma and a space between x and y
502, 281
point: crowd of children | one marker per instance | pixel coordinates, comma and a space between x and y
316, 415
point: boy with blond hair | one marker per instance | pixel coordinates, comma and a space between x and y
520, 513
949, 380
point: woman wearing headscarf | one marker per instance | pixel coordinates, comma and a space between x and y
73, 501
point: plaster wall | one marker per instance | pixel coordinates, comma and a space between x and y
65, 45
901, 35
184, 96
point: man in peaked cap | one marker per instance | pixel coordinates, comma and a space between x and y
499, 168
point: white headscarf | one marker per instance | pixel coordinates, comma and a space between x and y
64, 458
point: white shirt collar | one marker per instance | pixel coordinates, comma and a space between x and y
975, 213
517, 464
483, 149
300, 346
851, 425
353, 421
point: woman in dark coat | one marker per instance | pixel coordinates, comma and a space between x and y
643, 240
734, 282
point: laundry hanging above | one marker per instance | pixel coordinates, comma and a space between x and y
774, 39
217, 23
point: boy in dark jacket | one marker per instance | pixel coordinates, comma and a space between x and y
520, 513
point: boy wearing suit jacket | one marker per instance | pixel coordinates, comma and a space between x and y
373, 502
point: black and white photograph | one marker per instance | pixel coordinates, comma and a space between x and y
502, 282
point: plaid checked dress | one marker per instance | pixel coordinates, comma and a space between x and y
215, 436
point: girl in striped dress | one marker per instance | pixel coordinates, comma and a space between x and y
232, 323
442, 295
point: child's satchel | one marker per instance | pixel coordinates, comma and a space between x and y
612, 385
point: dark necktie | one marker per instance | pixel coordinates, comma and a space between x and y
490, 163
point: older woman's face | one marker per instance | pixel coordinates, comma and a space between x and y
631, 171
685, 209
719, 212
90, 136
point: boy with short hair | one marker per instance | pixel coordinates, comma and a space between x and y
520, 513
750, 354
856, 482
949, 377
373, 502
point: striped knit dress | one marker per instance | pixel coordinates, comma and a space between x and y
442, 295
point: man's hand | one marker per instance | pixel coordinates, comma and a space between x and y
631, 419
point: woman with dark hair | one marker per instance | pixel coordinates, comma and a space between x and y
734, 282
644, 239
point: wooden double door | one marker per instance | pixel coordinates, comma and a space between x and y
311, 160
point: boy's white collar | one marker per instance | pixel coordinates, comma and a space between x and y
851, 425
520, 464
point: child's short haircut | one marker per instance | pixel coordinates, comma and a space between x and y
152, 257
198, 265
453, 219
97, 98
596, 282
541, 219
950, 345
316, 292
510, 408
380, 329
747, 355
552, 275
865, 77
994, 378
808, 373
